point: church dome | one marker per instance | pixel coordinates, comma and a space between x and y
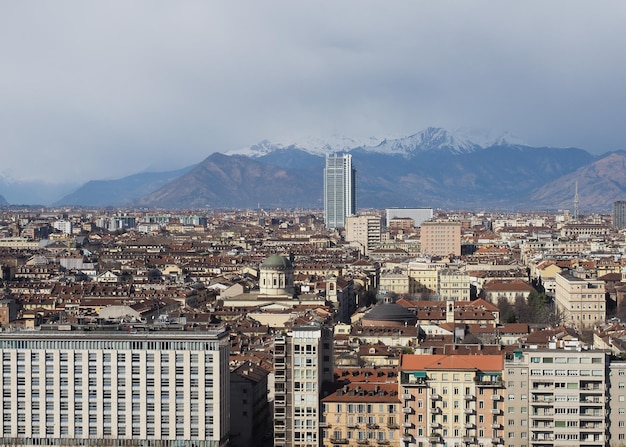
277, 262
389, 314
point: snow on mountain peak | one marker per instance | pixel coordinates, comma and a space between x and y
429, 139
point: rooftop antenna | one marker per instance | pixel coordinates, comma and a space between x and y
576, 203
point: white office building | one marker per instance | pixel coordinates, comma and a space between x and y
115, 388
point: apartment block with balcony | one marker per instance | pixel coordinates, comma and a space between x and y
360, 414
562, 394
452, 400
302, 363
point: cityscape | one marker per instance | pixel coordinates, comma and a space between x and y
408, 327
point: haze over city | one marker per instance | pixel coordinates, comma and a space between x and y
103, 90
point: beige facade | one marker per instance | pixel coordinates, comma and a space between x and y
454, 284
362, 414
452, 400
581, 301
441, 238
364, 230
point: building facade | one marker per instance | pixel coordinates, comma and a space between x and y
441, 238
339, 190
619, 214
302, 363
115, 388
365, 230
452, 400
581, 301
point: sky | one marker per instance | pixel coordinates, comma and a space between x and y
104, 89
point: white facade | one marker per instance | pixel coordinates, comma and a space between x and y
115, 388
418, 215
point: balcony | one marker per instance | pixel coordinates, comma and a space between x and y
407, 410
497, 440
435, 397
496, 426
362, 442
542, 438
469, 439
407, 425
352, 425
490, 383
469, 426
496, 397
434, 437
407, 396
372, 426
469, 411
324, 425
339, 441
435, 410
435, 425
496, 411
407, 438
469, 397
382, 442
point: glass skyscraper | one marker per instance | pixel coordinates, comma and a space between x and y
339, 190
619, 214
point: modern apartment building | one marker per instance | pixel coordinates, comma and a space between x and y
556, 397
452, 400
339, 190
302, 363
581, 301
115, 388
365, 230
441, 238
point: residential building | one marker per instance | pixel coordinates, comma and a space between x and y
365, 231
362, 413
556, 396
302, 363
617, 400
114, 388
441, 238
454, 284
249, 407
339, 190
452, 399
581, 301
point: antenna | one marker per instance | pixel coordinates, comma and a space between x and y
576, 203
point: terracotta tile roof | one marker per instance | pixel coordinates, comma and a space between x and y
452, 362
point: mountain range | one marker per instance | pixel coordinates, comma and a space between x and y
432, 168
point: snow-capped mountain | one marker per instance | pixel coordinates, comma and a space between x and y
428, 140
312, 145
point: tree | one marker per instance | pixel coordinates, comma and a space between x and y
507, 312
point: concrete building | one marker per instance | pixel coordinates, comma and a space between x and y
617, 400
441, 238
580, 301
115, 388
556, 397
302, 363
339, 190
365, 231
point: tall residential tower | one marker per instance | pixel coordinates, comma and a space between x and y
339, 190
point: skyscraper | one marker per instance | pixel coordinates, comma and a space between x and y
339, 190
619, 214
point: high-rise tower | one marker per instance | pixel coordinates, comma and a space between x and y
339, 190
619, 214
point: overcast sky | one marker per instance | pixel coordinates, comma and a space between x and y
103, 89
